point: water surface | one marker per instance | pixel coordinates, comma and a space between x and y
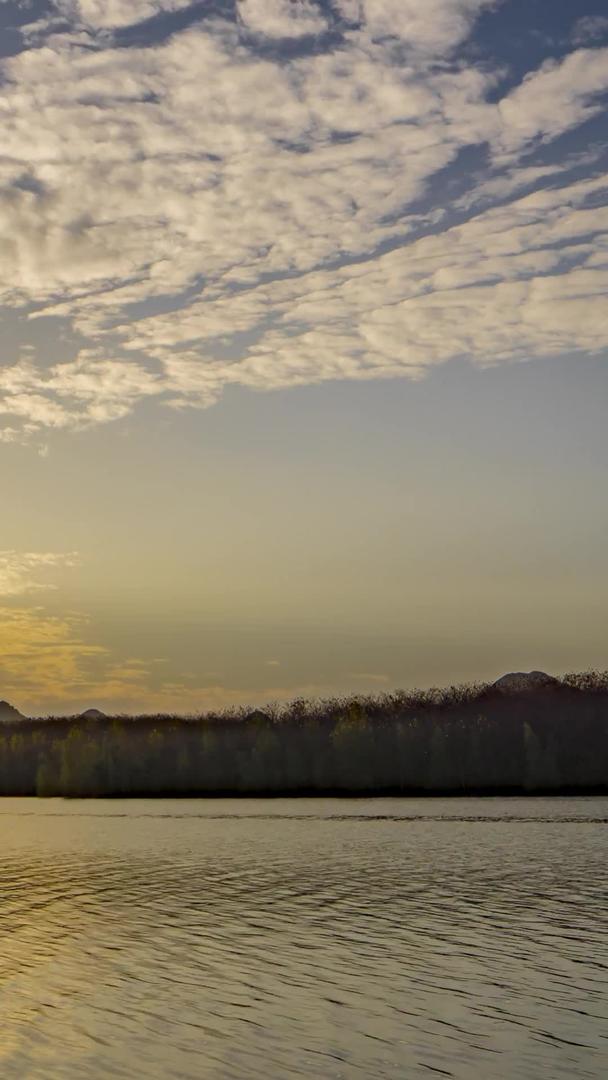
222, 939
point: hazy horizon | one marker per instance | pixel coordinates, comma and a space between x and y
303, 373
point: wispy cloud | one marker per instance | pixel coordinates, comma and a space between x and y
51, 663
24, 572
285, 218
107, 14
42, 656
590, 29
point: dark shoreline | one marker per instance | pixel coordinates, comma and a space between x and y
471, 741
599, 791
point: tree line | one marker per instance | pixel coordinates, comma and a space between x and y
463, 739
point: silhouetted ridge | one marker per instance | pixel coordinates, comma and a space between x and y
9, 712
542, 735
519, 681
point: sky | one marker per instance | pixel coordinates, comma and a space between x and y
303, 347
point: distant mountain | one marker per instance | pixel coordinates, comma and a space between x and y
517, 681
9, 712
92, 714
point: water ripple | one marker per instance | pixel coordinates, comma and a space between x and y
284, 939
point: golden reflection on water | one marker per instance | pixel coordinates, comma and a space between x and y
284, 939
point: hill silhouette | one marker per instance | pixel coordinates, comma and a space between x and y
517, 681
9, 712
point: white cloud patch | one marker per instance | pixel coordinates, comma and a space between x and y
557, 97
24, 572
433, 26
108, 14
278, 214
281, 18
350, 10
524, 279
89, 390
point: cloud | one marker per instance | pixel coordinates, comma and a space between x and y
281, 228
41, 655
76, 394
435, 26
553, 99
52, 664
590, 28
512, 180
350, 10
281, 18
526, 278
107, 14
21, 571
49, 663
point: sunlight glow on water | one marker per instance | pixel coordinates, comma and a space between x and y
313, 938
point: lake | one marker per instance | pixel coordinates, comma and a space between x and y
224, 939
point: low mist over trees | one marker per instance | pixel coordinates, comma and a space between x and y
549, 738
